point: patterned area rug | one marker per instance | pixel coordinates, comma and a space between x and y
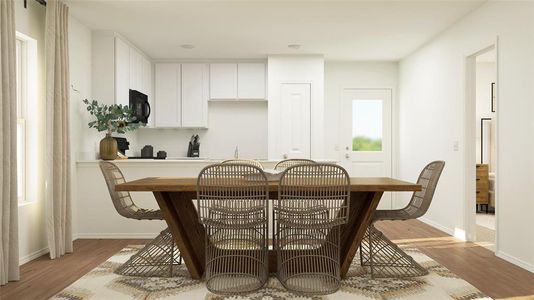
102, 283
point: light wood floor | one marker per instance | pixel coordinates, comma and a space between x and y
42, 278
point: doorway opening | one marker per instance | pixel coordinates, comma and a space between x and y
483, 95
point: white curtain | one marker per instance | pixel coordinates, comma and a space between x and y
57, 159
9, 248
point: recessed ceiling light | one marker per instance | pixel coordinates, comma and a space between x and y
294, 46
187, 46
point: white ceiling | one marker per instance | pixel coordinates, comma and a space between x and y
347, 30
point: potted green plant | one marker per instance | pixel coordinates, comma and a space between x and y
110, 118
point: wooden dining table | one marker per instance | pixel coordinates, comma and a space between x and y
175, 198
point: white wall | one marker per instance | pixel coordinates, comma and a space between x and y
230, 123
431, 115
82, 137
32, 239
299, 69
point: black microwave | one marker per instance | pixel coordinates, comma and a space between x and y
139, 106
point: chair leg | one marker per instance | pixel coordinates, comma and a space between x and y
158, 258
371, 259
366, 251
386, 259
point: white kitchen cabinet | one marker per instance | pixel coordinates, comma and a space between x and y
140, 77
135, 70
168, 110
223, 81
181, 95
117, 67
251, 81
146, 77
194, 95
122, 72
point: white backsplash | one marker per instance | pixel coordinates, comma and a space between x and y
231, 124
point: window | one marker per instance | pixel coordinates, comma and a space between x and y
367, 125
22, 82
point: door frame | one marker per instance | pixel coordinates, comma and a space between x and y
394, 129
469, 211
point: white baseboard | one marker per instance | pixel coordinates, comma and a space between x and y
437, 226
27, 258
115, 236
516, 261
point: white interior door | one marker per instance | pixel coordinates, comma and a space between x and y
295, 120
366, 135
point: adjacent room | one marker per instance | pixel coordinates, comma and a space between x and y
486, 76
227, 149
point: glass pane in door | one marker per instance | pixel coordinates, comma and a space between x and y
367, 125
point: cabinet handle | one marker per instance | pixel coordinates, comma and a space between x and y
478, 179
478, 192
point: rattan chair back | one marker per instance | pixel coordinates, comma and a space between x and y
284, 164
314, 187
428, 179
121, 200
243, 161
232, 201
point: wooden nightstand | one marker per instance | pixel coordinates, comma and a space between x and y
482, 185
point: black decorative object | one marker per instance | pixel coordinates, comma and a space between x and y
493, 96
194, 146
147, 151
122, 144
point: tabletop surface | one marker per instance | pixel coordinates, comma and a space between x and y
185, 184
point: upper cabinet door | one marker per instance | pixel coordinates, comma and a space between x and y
194, 95
251, 81
136, 70
146, 78
168, 95
223, 81
122, 72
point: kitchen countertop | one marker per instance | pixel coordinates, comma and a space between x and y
171, 160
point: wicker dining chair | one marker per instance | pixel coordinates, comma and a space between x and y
244, 161
381, 256
313, 201
158, 258
286, 163
232, 201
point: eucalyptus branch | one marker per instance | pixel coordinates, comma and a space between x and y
111, 118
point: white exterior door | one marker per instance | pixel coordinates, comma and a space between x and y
366, 135
295, 120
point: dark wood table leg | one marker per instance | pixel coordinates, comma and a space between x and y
189, 234
362, 208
